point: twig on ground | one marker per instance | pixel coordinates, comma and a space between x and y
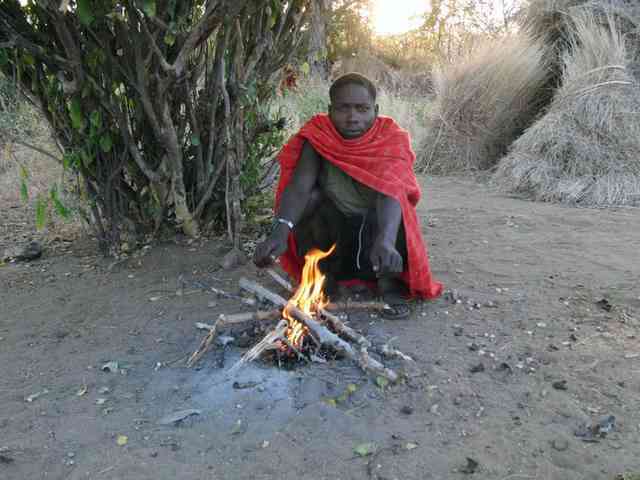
204, 344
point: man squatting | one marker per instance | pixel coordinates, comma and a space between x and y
347, 178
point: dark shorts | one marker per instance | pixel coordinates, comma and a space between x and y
353, 236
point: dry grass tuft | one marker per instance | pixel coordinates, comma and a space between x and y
551, 21
482, 104
585, 150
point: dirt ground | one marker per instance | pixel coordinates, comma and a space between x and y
487, 383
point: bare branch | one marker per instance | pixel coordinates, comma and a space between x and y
216, 13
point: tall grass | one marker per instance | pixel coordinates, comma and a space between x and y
586, 149
482, 104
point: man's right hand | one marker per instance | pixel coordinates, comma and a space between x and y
273, 247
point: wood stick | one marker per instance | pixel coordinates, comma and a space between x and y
261, 292
259, 315
266, 343
390, 352
371, 365
204, 344
326, 337
353, 305
343, 329
321, 333
280, 280
222, 293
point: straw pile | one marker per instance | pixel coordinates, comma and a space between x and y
585, 149
482, 105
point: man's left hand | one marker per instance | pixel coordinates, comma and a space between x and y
385, 258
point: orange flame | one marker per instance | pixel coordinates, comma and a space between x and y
309, 296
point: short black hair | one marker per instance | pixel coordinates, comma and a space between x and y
353, 78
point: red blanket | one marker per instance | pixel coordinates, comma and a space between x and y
383, 160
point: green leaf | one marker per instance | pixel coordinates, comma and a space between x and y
85, 12
149, 7
41, 212
28, 59
96, 119
195, 140
365, 449
106, 142
382, 382
304, 68
24, 191
4, 57
75, 112
170, 39
59, 207
69, 160
86, 158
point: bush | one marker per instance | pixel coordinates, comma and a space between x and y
482, 104
585, 149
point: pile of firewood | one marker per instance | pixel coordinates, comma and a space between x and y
326, 330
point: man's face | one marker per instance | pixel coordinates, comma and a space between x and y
352, 110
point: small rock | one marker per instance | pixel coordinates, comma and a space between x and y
470, 467
233, 259
560, 444
477, 368
406, 410
457, 331
153, 454
473, 347
560, 385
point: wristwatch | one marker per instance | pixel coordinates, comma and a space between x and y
279, 220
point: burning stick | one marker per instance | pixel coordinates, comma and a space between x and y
328, 338
265, 344
321, 333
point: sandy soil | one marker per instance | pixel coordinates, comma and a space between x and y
528, 277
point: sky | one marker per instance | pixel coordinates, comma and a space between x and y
395, 16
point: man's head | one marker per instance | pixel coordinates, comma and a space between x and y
353, 107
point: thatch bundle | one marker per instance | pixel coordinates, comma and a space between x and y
586, 148
482, 104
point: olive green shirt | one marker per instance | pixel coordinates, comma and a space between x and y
350, 196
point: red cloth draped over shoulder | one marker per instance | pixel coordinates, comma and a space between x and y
383, 160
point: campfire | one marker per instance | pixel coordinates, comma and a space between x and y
307, 324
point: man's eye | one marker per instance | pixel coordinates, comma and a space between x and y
362, 108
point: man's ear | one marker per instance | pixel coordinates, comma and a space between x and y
377, 109
329, 108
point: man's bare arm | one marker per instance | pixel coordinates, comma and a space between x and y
295, 198
297, 193
384, 255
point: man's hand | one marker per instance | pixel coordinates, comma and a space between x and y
274, 246
384, 257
